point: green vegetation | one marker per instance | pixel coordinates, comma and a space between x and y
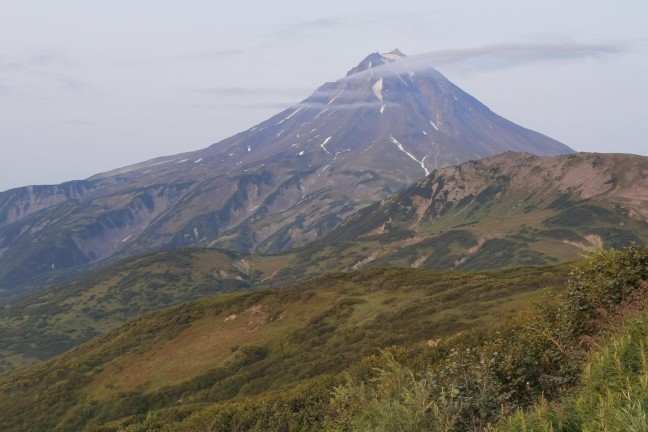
468, 382
261, 357
380, 349
50, 322
613, 392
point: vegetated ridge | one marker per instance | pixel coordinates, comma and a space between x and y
314, 357
232, 346
513, 208
46, 323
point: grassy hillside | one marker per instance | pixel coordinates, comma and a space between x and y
47, 323
506, 211
261, 348
575, 360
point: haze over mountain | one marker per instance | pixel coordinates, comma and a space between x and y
283, 183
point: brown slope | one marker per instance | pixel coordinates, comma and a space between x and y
512, 208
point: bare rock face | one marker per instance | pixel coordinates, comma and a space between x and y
283, 183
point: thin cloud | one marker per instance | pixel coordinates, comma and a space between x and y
498, 56
262, 105
39, 61
521, 53
39, 73
308, 27
340, 106
238, 92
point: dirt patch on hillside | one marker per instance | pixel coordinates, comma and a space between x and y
592, 241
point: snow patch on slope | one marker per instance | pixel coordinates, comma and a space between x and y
401, 148
289, 115
323, 145
335, 97
163, 162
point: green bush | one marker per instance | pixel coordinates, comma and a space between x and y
473, 379
613, 395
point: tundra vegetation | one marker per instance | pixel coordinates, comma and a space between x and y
381, 349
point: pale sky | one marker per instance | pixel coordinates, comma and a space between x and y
88, 86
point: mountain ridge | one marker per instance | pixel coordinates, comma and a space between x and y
281, 184
513, 209
545, 207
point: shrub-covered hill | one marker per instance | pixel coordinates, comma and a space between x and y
576, 361
47, 323
512, 208
281, 348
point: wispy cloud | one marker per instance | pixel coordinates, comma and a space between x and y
500, 56
358, 22
38, 73
340, 106
37, 61
522, 53
247, 92
261, 105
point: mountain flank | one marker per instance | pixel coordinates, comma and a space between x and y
410, 348
511, 208
284, 183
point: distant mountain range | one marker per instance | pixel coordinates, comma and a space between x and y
281, 184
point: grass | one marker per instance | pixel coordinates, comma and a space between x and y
232, 347
50, 322
613, 394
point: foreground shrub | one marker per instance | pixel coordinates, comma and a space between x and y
613, 395
473, 379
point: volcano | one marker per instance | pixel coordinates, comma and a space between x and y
283, 183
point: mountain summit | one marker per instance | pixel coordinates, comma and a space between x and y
396, 115
376, 59
283, 183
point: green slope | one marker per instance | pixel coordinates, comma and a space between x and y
47, 323
234, 346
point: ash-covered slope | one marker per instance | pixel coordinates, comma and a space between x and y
280, 184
